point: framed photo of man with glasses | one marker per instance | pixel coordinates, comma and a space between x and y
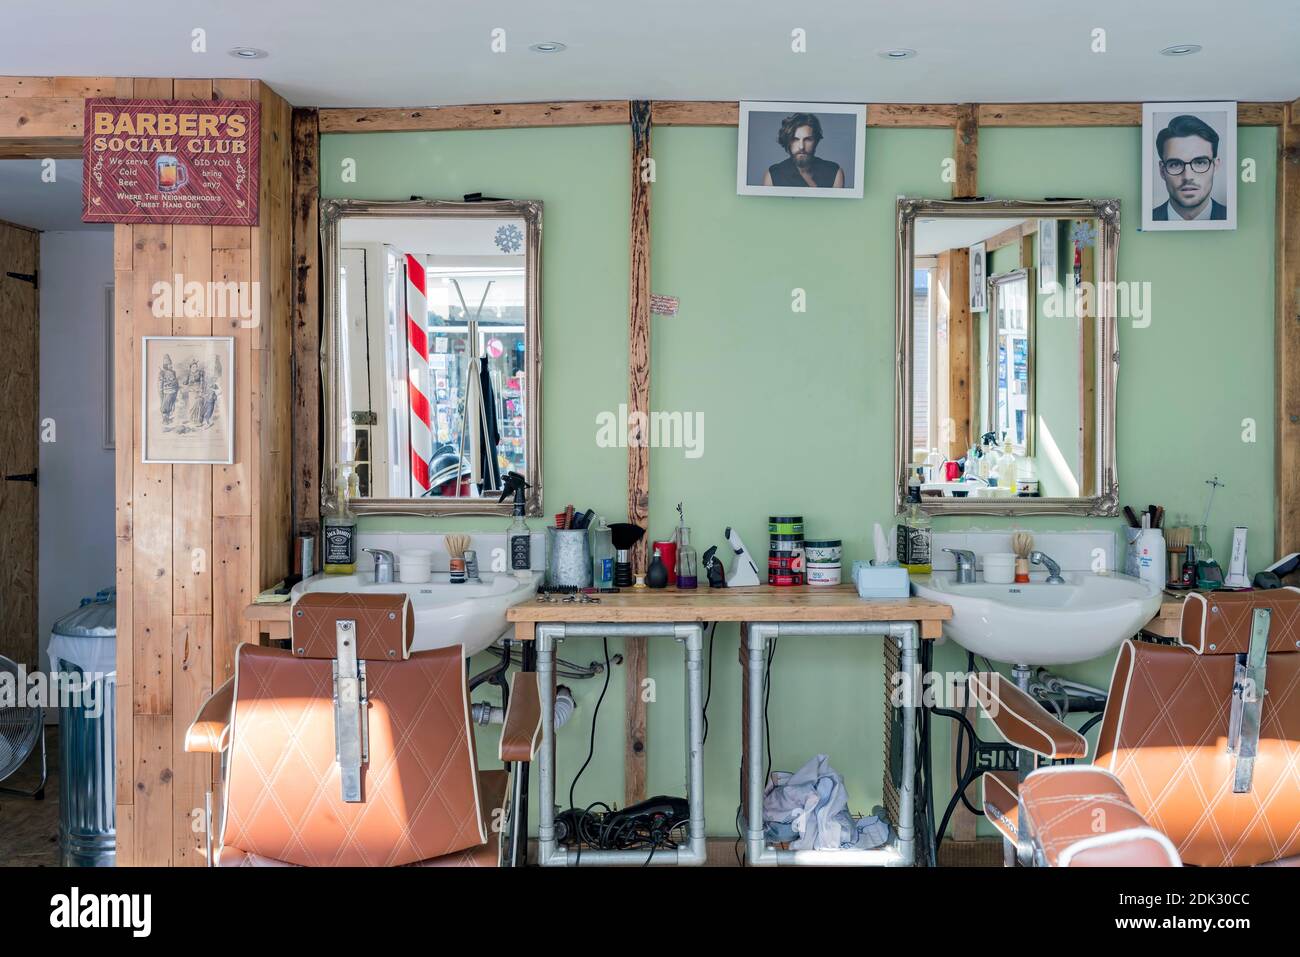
1189, 166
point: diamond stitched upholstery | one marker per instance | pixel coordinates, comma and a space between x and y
1165, 737
1220, 623
492, 788
1072, 806
385, 624
283, 798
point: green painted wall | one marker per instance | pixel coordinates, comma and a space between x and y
798, 406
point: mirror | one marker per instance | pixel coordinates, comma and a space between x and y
1007, 356
431, 353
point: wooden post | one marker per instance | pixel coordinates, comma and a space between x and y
1287, 511
963, 351
966, 140
638, 449
306, 321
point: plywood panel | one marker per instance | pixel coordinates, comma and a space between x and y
19, 390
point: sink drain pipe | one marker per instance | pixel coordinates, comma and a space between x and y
484, 714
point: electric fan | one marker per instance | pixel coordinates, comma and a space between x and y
21, 728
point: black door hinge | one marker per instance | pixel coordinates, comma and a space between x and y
23, 477
25, 277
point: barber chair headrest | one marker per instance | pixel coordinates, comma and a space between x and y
1219, 622
385, 624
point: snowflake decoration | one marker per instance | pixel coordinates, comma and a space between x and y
1085, 234
508, 238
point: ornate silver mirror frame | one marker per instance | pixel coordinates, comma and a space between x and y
1106, 212
332, 211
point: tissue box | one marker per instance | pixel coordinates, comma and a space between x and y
885, 581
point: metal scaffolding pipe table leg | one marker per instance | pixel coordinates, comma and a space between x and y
691, 634
902, 851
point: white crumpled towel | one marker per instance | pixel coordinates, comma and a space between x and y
810, 809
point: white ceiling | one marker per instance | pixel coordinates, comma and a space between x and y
26, 199
933, 236
430, 52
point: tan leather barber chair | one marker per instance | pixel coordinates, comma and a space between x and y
1198, 755
347, 749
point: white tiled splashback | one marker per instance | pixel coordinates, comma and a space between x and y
1073, 551
483, 544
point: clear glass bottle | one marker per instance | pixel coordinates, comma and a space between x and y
1208, 573
913, 536
686, 560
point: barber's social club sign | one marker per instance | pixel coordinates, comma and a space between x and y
171, 161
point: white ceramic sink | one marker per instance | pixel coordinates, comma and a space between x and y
473, 615
1042, 624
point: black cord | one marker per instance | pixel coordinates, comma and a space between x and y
591, 749
708, 688
767, 696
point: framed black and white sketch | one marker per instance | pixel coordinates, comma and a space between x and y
186, 410
801, 149
978, 274
1047, 255
1189, 166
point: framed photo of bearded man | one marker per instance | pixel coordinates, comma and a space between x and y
801, 149
1189, 166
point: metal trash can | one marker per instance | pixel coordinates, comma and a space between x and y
83, 648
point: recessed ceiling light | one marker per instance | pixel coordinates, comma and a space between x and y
548, 46
248, 53
898, 53
1181, 49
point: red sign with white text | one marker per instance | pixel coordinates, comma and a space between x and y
186, 162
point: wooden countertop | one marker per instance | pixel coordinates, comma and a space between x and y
762, 603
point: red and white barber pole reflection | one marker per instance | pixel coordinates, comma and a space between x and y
417, 350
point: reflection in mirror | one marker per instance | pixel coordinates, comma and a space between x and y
434, 357
1008, 307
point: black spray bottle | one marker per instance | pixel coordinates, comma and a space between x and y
519, 539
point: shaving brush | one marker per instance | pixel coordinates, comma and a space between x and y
1022, 543
456, 545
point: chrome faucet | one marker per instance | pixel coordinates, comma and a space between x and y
1053, 569
965, 565
385, 562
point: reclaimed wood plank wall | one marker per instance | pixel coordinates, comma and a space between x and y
196, 543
